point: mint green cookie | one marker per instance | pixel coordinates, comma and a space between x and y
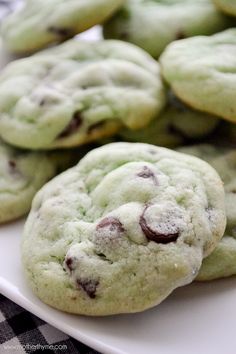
153, 24
23, 173
121, 230
37, 24
201, 72
176, 125
222, 261
78, 92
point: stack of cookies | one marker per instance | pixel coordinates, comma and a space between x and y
151, 205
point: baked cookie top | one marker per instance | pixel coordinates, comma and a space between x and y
36, 24
78, 92
201, 72
153, 24
221, 262
122, 229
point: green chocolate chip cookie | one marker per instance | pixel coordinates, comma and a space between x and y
153, 24
22, 174
37, 24
121, 230
202, 72
78, 92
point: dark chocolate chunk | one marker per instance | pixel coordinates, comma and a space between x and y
12, 164
69, 263
60, 31
42, 102
89, 286
147, 173
74, 124
113, 224
155, 235
13, 169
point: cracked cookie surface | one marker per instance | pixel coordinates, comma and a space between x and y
222, 261
121, 230
201, 72
144, 22
38, 23
78, 92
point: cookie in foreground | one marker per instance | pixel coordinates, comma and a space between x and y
121, 230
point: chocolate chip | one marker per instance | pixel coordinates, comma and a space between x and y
42, 102
113, 224
12, 164
74, 124
13, 169
147, 173
69, 263
60, 31
89, 286
154, 235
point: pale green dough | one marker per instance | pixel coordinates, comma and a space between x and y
22, 174
121, 230
176, 125
153, 24
201, 72
78, 92
222, 262
39, 23
227, 6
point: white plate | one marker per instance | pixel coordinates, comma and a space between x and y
200, 318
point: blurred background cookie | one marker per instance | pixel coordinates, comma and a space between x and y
36, 24
201, 72
152, 25
78, 92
